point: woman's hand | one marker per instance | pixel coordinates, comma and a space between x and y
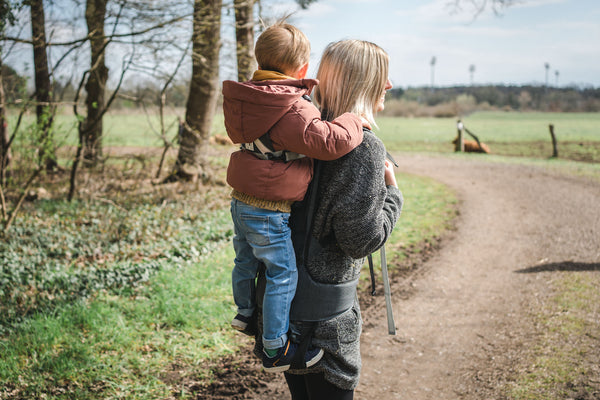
390, 176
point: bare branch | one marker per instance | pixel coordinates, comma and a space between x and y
91, 34
14, 212
479, 6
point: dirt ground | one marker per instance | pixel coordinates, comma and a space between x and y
463, 314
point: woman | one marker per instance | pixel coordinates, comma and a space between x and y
354, 209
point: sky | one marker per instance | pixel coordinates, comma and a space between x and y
511, 48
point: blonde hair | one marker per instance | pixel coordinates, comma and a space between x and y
282, 47
352, 77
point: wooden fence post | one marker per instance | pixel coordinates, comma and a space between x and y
554, 148
460, 143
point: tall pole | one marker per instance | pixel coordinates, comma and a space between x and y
432, 63
472, 72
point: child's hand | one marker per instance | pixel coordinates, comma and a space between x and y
389, 175
365, 123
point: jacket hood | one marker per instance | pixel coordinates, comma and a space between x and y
252, 108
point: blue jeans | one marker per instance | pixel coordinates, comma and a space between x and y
264, 236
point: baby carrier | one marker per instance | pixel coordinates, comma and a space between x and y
314, 301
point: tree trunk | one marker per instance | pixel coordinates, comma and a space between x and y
202, 99
43, 89
96, 83
244, 36
4, 136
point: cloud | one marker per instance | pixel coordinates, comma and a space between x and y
440, 10
536, 3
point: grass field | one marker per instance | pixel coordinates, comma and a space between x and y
106, 298
130, 299
127, 332
494, 127
523, 134
508, 134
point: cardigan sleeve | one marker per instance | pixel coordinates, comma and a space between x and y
363, 234
360, 210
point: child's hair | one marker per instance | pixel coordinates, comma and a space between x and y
282, 47
352, 76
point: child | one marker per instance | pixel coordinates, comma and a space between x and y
277, 125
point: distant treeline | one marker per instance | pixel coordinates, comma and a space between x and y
413, 101
458, 100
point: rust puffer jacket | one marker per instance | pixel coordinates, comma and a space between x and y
276, 106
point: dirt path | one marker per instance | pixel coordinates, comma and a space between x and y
466, 318
468, 313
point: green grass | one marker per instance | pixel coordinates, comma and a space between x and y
135, 129
561, 364
138, 129
119, 341
509, 134
122, 344
517, 134
493, 127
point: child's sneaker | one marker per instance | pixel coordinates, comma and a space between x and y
240, 322
282, 360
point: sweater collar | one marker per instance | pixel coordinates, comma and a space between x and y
264, 75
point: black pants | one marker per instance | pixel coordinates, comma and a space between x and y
315, 387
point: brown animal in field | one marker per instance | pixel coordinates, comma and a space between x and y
471, 146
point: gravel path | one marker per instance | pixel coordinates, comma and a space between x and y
469, 309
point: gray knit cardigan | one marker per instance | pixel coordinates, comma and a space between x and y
354, 216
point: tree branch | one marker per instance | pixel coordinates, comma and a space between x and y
91, 34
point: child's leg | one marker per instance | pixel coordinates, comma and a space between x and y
268, 235
246, 265
281, 280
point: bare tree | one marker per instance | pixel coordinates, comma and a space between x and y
547, 68
42, 96
7, 17
81, 128
45, 110
167, 142
244, 36
202, 99
4, 137
95, 86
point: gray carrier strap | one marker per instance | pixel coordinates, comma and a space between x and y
315, 301
263, 149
